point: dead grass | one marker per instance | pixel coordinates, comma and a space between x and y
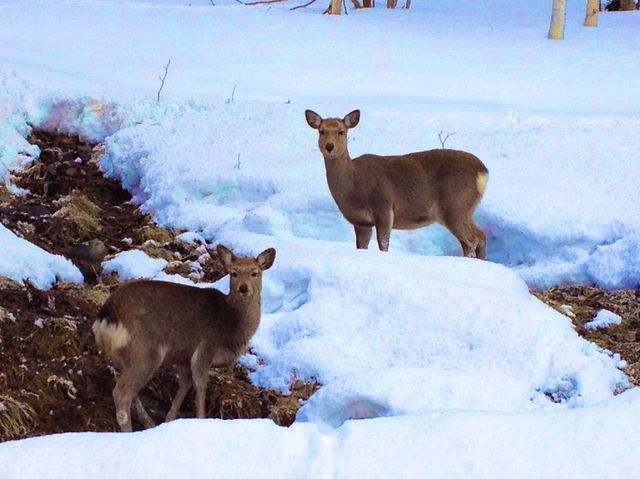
154, 233
80, 216
16, 418
286, 407
4, 193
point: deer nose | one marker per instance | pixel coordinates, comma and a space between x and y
243, 288
329, 147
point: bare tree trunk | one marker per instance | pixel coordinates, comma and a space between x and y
558, 16
392, 3
356, 4
407, 4
366, 4
627, 5
591, 17
335, 8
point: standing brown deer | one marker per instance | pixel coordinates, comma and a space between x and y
402, 192
144, 324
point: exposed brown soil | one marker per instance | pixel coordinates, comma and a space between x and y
52, 378
585, 302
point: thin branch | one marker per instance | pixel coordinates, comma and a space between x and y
442, 142
263, 2
162, 79
233, 94
304, 5
356, 4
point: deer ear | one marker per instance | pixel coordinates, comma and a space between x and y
226, 255
266, 258
352, 119
313, 119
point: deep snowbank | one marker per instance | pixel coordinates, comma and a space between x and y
584, 443
411, 334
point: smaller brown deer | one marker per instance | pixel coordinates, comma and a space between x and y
144, 324
402, 192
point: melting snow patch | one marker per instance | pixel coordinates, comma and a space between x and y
603, 319
190, 237
134, 264
21, 260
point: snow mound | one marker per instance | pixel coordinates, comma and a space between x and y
22, 261
409, 334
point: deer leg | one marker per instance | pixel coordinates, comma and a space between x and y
143, 415
129, 383
465, 234
363, 236
135, 374
384, 224
200, 364
185, 382
481, 249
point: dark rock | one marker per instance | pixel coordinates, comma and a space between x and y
51, 155
88, 257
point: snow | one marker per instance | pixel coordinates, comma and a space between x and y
134, 264
603, 319
461, 372
190, 237
586, 443
24, 261
197, 159
402, 344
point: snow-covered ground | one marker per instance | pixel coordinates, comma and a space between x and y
477, 378
585, 443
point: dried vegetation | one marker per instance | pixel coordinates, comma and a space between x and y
52, 378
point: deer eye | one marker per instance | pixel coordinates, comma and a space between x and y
341, 133
234, 274
321, 132
254, 274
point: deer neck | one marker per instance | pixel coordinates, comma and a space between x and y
340, 177
247, 312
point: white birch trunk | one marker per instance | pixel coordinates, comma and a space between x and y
591, 16
558, 14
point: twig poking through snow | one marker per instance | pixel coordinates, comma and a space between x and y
233, 94
442, 142
238, 162
162, 79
